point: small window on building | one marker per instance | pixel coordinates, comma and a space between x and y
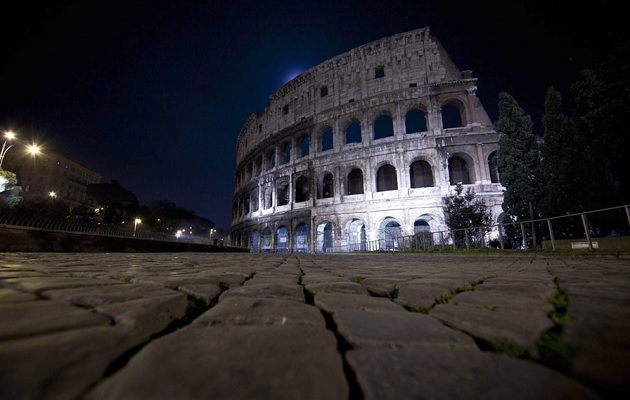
379, 72
285, 109
413, 85
323, 91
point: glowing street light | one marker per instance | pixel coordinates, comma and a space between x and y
52, 194
34, 149
135, 225
8, 136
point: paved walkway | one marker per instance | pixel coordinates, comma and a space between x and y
356, 326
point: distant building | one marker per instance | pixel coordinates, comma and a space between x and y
52, 175
362, 147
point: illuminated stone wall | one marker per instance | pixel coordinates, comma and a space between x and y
363, 147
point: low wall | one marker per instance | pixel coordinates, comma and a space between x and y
30, 240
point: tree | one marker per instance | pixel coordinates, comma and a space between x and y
518, 160
465, 213
563, 157
602, 97
9, 190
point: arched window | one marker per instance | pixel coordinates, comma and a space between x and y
305, 144
245, 205
451, 116
266, 240
355, 181
286, 152
327, 139
270, 159
283, 193
268, 198
282, 239
386, 178
415, 121
420, 174
302, 190
383, 127
458, 171
353, 132
328, 186
421, 225
301, 238
254, 199
493, 166
390, 233
255, 241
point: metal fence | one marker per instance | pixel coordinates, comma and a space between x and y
604, 228
11, 219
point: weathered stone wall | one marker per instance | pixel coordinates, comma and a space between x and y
295, 160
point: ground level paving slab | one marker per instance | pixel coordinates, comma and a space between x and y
329, 326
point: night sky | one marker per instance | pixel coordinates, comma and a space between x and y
154, 94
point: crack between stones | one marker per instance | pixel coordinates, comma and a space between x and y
355, 392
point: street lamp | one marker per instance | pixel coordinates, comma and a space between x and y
135, 225
52, 194
8, 136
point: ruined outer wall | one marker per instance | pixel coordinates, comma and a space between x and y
408, 71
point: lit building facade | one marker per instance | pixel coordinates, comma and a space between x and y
53, 175
363, 147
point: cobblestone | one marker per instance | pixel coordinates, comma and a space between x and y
345, 326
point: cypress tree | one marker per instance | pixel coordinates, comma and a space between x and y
518, 160
562, 153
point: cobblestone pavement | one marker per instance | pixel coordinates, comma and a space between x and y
354, 326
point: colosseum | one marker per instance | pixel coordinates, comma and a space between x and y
362, 149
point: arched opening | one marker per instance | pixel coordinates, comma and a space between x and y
305, 145
283, 193
451, 116
415, 121
353, 132
255, 237
266, 240
390, 233
268, 198
301, 238
270, 159
383, 127
302, 189
386, 178
254, 200
493, 167
328, 186
286, 152
327, 139
356, 235
355, 181
458, 171
420, 174
325, 237
282, 240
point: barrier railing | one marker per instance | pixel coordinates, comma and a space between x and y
71, 225
609, 227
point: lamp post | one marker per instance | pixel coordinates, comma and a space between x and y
135, 225
8, 136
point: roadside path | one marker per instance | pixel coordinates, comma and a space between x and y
352, 326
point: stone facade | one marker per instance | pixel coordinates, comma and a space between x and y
363, 147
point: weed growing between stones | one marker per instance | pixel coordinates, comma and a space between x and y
554, 350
